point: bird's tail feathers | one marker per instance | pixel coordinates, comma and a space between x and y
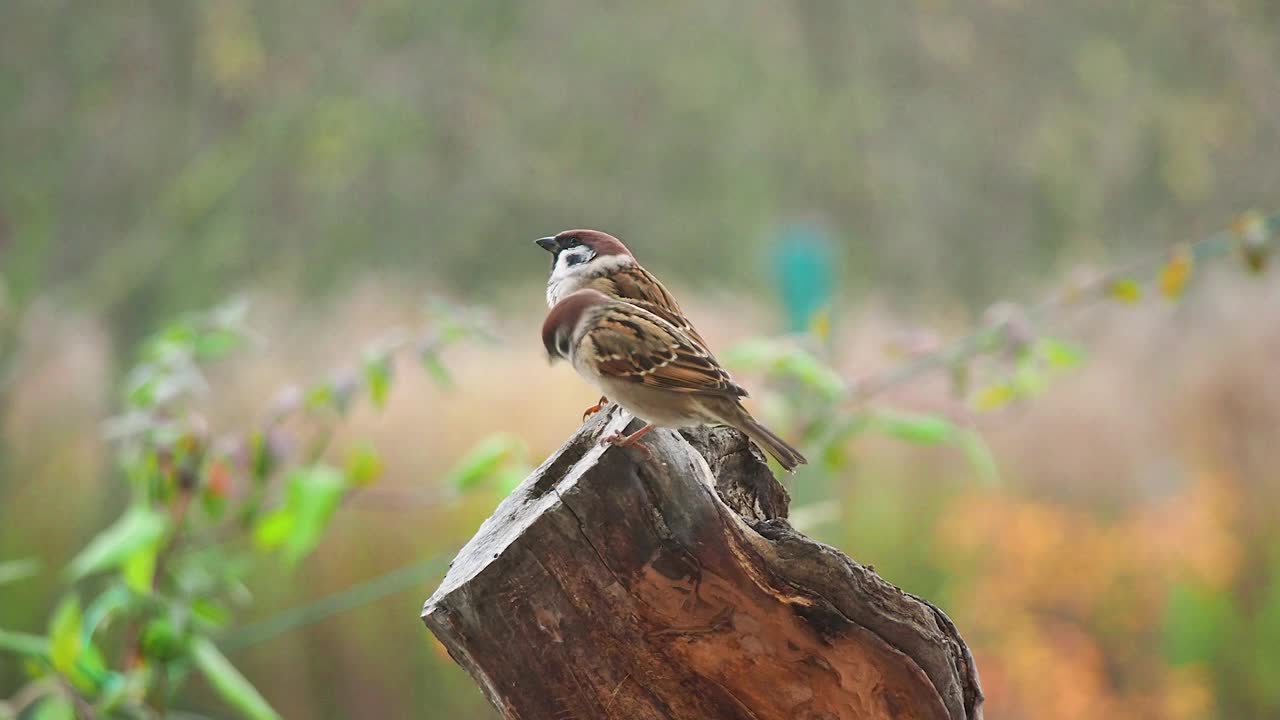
787, 456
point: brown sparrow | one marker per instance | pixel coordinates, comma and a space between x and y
592, 259
651, 368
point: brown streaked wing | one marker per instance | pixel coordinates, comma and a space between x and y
639, 287
642, 348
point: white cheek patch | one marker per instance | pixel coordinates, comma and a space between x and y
566, 279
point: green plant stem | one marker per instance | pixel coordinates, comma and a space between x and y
353, 597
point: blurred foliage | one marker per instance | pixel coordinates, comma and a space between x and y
158, 156
168, 575
1131, 623
241, 142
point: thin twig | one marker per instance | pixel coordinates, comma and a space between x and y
991, 337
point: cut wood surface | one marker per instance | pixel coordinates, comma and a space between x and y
609, 585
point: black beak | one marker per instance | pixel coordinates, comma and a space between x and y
548, 243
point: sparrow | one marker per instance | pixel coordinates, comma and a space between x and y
651, 368
592, 259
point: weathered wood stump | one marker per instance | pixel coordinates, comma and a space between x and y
611, 586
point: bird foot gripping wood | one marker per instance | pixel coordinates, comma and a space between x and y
633, 440
595, 408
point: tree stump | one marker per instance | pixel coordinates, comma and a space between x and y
609, 585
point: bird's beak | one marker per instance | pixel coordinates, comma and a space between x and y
547, 243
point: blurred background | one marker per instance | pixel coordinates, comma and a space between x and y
876, 175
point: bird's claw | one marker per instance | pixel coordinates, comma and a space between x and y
595, 408
618, 439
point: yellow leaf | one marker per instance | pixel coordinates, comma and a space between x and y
820, 324
1125, 290
994, 396
1175, 273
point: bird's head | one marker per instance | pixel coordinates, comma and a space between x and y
560, 328
579, 256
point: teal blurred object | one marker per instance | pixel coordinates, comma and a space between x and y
804, 260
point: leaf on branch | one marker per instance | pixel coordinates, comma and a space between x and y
363, 465
65, 640
1059, 354
995, 396
313, 495
140, 529
922, 429
786, 360
377, 377
1176, 272
435, 367
217, 343
483, 462
1126, 290
319, 396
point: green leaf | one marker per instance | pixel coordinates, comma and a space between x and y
262, 461
139, 529
510, 478
786, 360
140, 568
54, 706
229, 683
15, 570
274, 528
161, 641
66, 643
436, 368
314, 494
209, 613
24, 643
484, 460
363, 465
1058, 354
994, 396
923, 429
175, 339
216, 344
1198, 621
319, 397
1125, 290
377, 377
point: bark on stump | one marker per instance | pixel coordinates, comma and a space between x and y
611, 586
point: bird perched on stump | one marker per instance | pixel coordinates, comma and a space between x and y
582, 259
651, 367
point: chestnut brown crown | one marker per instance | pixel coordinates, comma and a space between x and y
557, 329
601, 243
